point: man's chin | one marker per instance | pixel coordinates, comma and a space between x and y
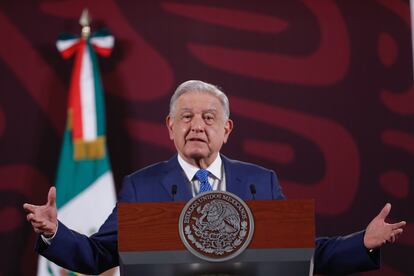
197, 155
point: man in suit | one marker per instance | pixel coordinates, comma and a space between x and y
199, 125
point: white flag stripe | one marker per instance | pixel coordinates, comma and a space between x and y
62, 45
88, 208
103, 41
87, 97
42, 267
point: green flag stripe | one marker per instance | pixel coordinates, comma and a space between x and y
73, 177
101, 33
66, 36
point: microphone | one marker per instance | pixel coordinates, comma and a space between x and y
253, 191
173, 191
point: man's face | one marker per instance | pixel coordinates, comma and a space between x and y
198, 127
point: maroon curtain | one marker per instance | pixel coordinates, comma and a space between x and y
320, 91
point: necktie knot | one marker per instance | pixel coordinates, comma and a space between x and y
202, 176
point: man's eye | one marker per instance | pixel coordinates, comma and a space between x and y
209, 119
186, 117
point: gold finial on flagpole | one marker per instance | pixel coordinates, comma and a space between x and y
85, 21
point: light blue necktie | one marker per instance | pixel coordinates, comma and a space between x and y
202, 176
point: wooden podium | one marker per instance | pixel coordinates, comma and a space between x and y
282, 244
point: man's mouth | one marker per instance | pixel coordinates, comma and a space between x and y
196, 140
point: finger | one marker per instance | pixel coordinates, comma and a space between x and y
394, 235
30, 207
38, 225
398, 225
51, 197
398, 231
37, 231
389, 239
29, 217
385, 211
32, 218
397, 235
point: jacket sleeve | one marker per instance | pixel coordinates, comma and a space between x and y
343, 255
87, 255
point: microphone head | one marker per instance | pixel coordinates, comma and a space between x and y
174, 189
253, 188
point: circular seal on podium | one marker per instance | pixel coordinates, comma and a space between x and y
216, 226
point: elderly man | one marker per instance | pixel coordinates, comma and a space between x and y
199, 125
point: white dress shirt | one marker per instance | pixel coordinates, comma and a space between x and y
216, 176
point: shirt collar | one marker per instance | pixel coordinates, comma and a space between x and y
190, 170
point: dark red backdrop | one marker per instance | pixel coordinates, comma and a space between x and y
321, 91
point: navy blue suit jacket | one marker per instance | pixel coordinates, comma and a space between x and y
99, 252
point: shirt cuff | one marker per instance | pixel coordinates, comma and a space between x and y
48, 241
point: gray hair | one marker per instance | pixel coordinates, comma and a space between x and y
201, 87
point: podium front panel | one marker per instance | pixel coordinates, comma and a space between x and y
260, 262
282, 244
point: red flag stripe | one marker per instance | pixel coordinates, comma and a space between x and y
67, 53
103, 51
75, 101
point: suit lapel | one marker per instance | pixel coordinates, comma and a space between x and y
236, 181
174, 175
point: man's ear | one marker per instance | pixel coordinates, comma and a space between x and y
169, 121
228, 127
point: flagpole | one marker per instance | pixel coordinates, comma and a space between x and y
85, 21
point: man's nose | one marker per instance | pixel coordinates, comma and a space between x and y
197, 124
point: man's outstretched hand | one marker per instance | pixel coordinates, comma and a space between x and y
43, 217
379, 232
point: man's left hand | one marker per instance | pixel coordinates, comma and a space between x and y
379, 232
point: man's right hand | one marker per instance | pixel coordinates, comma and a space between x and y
43, 217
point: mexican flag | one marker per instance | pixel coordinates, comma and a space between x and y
84, 183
